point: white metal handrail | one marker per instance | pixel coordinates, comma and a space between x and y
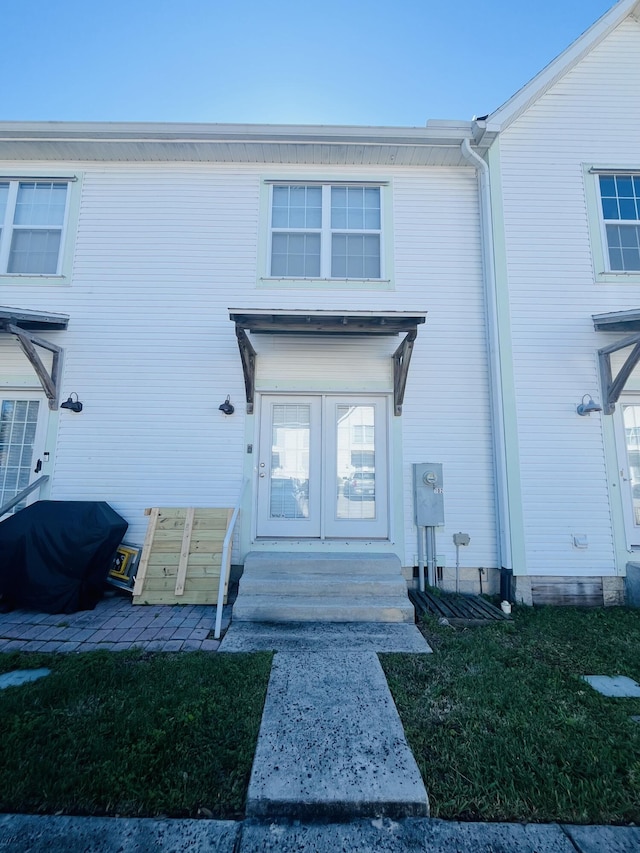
4, 509
223, 567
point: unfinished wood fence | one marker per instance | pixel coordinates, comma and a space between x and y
181, 557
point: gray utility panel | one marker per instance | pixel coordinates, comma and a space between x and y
428, 494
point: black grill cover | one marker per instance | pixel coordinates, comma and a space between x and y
56, 555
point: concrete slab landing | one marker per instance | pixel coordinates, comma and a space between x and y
324, 637
331, 744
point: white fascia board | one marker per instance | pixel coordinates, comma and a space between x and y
324, 312
501, 118
438, 133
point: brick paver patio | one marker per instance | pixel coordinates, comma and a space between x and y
114, 625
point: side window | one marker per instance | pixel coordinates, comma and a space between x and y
33, 215
620, 212
325, 231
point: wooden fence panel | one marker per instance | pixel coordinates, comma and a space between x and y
181, 557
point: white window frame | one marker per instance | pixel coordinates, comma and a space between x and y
7, 225
604, 222
597, 223
326, 231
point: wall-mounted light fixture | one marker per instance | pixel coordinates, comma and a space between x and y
71, 404
226, 407
589, 407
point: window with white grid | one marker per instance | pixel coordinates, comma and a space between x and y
326, 231
620, 206
32, 219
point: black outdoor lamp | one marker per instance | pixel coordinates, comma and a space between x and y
226, 407
588, 406
71, 404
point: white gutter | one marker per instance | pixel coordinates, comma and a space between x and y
437, 133
495, 367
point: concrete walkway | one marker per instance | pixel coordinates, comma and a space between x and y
331, 744
35, 834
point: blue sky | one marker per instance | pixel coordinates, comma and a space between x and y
278, 62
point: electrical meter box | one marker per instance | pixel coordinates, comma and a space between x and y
428, 494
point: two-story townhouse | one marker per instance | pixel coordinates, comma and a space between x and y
327, 282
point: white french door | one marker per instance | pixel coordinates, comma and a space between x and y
628, 442
22, 428
323, 467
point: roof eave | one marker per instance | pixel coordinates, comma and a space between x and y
434, 132
25, 141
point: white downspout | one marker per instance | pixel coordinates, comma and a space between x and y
495, 367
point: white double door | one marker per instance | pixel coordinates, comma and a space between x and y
323, 467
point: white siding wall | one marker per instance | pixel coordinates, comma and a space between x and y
16, 369
287, 363
163, 251
591, 117
446, 413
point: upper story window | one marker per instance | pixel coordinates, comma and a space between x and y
325, 231
620, 200
32, 219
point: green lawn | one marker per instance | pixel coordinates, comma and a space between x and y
131, 733
500, 723
503, 728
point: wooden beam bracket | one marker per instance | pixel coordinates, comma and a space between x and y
401, 360
248, 357
28, 341
613, 387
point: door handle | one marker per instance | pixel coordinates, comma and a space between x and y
262, 473
38, 467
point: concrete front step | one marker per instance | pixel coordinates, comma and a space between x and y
276, 608
281, 583
339, 587
341, 564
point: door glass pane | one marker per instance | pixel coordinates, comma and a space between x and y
631, 415
18, 421
355, 462
289, 487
